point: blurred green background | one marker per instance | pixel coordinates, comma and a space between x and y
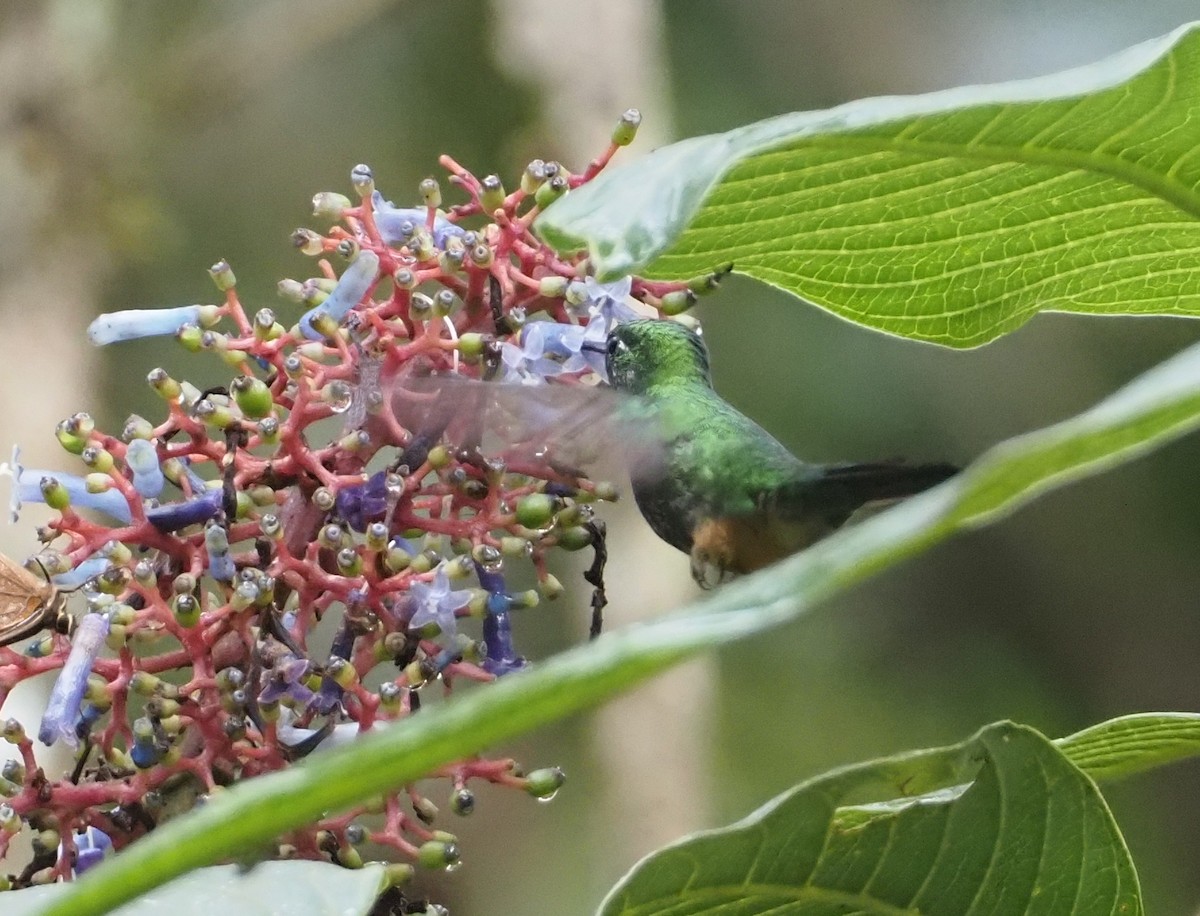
142, 141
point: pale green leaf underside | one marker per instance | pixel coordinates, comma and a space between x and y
951, 217
1160, 405
1013, 828
278, 888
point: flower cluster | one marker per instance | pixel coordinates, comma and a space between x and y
327, 482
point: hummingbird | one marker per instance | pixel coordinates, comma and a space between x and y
721, 488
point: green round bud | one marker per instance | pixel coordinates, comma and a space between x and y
677, 302
398, 874
253, 396
545, 783
436, 854
188, 336
553, 287
512, 546
186, 609
575, 538
535, 510
471, 346
462, 801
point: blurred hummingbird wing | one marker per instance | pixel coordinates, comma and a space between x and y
571, 427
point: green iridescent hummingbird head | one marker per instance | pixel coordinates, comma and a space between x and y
643, 354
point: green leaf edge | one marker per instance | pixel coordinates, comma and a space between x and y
1162, 404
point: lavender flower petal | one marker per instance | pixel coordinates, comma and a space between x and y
349, 291
396, 224
436, 603
63, 707
142, 459
194, 511
29, 489
88, 569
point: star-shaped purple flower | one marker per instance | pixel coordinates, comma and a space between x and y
436, 603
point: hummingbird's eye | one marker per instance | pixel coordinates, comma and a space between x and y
615, 345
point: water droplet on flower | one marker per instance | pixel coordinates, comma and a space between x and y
339, 396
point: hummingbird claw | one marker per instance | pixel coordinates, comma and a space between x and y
709, 571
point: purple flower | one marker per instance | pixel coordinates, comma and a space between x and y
436, 603
284, 682
397, 224
349, 291
548, 348
91, 846
361, 504
63, 707
194, 511
609, 301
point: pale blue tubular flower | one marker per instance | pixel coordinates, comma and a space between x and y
607, 300
397, 224
130, 324
349, 291
216, 542
548, 348
436, 603
141, 457
27, 487
88, 569
63, 707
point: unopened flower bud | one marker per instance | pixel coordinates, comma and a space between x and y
627, 127
491, 194
329, 204
222, 275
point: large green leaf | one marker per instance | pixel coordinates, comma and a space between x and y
1011, 827
951, 217
1162, 404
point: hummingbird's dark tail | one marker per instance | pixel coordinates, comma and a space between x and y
843, 489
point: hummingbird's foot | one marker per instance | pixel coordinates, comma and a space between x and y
712, 554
